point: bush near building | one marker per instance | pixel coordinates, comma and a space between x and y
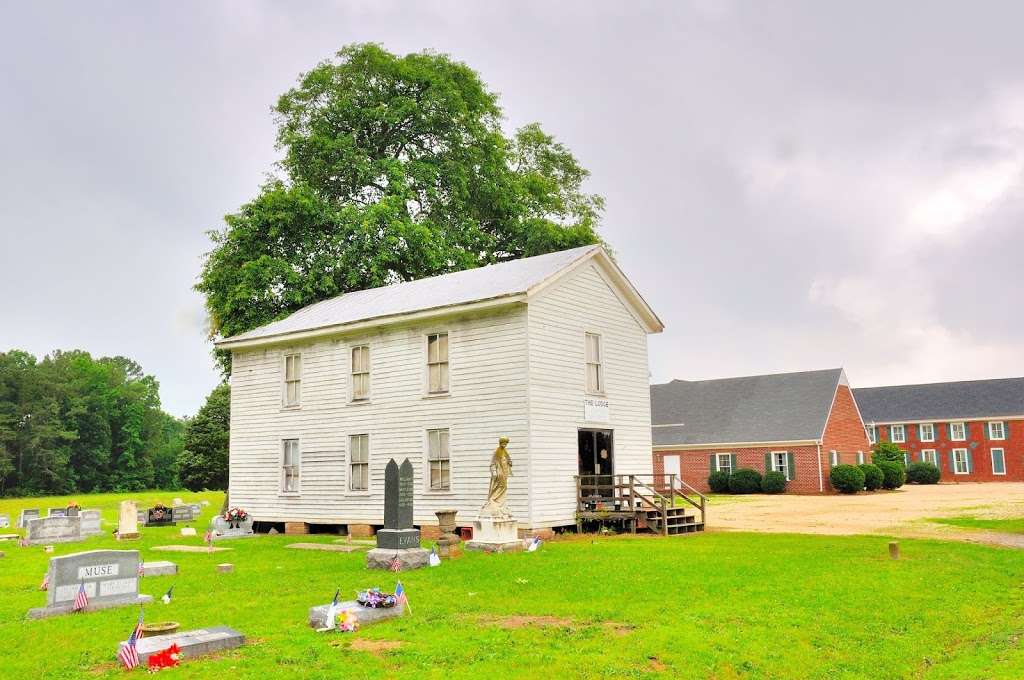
922, 473
745, 480
847, 478
893, 474
873, 477
773, 482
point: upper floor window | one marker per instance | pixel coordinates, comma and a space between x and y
595, 368
360, 373
290, 464
958, 432
897, 433
437, 363
292, 379
439, 460
359, 462
872, 434
926, 432
997, 430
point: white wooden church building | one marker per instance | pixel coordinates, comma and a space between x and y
550, 351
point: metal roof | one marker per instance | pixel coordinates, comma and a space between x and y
783, 407
942, 401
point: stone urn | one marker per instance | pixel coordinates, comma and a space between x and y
163, 628
448, 542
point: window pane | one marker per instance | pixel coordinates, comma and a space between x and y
443, 443
432, 348
442, 351
443, 377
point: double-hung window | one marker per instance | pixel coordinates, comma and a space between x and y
595, 365
361, 373
860, 458
926, 432
290, 464
780, 463
998, 462
723, 462
437, 363
439, 460
929, 456
960, 464
872, 434
958, 432
359, 462
292, 379
897, 434
997, 430
834, 458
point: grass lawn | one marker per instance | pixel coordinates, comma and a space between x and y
714, 605
1006, 526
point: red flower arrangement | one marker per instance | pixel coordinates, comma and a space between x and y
166, 658
236, 515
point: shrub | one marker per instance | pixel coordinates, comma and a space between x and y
719, 481
887, 451
745, 480
893, 474
922, 473
773, 482
873, 476
847, 478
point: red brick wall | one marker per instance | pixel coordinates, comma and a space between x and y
844, 431
977, 443
694, 465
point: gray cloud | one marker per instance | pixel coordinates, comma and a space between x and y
791, 185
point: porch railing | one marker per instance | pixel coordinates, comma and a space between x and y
636, 494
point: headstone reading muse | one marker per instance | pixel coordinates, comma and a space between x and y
110, 578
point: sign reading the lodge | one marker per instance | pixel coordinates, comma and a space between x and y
595, 410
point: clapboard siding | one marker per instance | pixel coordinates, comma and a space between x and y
579, 303
488, 399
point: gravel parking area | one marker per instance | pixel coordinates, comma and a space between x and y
894, 513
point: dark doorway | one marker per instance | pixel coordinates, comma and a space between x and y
595, 452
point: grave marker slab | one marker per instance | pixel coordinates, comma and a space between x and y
327, 547
222, 529
57, 512
110, 578
91, 524
54, 529
192, 643
188, 548
364, 615
188, 531
128, 520
5, 521
25, 516
159, 568
182, 513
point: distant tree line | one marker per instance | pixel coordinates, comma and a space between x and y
72, 423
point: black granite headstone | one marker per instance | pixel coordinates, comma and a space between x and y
405, 494
159, 517
391, 485
398, 532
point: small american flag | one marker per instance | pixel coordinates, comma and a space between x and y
141, 570
396, 564
81, 599
401, 597
128, 654
45, 585
208, 539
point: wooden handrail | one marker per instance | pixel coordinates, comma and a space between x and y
636, 493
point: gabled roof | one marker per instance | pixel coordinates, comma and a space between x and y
498, 283
942, 401
785, 407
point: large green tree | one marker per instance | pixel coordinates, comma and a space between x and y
204, 462
395, 168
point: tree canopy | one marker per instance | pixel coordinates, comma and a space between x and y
204, 462
395, 168
72, 423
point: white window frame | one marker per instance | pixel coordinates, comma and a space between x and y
784, 467
296, 359
728, 462
354, 374
956, 462
595, 362
296, 466
872, 434
902, 429
934, 456
364, 465
1002, 430
860, 458
444, 365
906, 458
444, 435
963, 432
833, 458
931, 429
1002, 458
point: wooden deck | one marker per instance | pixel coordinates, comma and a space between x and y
664, 504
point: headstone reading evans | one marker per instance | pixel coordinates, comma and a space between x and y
54, 530
26, 515
398, 538
90, 522
111, 579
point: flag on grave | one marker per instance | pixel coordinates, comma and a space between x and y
395, 564
534, 544
167, 596
332, 611
401, 597
81, 599
129, 654
141, 570
434, 560
45, 585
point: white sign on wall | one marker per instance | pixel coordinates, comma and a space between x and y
595, 410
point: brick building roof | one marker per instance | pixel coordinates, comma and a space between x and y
942, 401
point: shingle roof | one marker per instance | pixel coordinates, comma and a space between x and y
762, 408
472, 285
942, 401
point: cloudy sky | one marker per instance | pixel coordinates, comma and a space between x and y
791, 185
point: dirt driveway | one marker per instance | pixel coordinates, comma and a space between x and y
892, 513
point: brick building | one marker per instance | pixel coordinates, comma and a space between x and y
973, 430
800, 424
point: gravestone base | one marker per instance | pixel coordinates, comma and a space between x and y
159, 568
57, 610
398, 539
409, 558
192, 643
495, 535
364, 615
129, 537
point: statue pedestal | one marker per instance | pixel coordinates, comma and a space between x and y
495, 534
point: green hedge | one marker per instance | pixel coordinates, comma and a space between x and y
922, 473
719, 481
893, 474
847, 478
773, 482
873, 476
745, 480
